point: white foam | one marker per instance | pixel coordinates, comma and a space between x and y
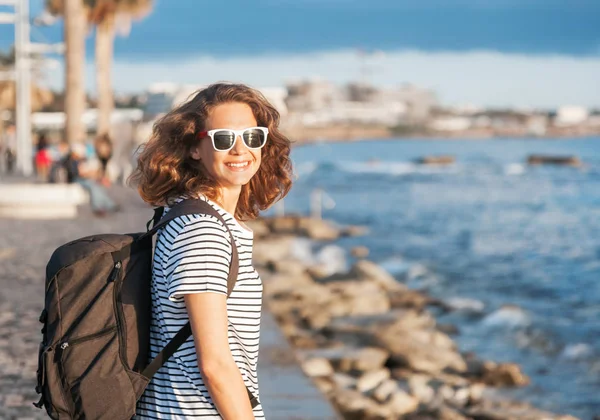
508, 316
302, 250
465, 304
514, 169
578, 351
332, 259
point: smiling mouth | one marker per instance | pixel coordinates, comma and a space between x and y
238, 164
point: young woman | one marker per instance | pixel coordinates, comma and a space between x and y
222, 146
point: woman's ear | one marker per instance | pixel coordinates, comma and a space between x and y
195, 152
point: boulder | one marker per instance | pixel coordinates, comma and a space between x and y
351, 403
316, 367
554, 160
359, 251
409, 299
259, 227
436, 160
354, 231
280, 285
319, 230
283, 224
402, 403
369, 271
370, 380
420, 350
385, 390
504, 374
361, 359
271, 249
362, 298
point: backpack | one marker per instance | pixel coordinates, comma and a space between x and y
93, 358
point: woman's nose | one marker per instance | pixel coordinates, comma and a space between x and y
239, 147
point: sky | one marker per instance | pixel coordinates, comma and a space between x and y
518, 53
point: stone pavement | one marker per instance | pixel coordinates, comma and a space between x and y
26, 246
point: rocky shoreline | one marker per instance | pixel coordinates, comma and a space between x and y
370, 343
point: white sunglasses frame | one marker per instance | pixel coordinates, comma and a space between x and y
237, 133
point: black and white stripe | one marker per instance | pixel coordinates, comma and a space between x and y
192, 255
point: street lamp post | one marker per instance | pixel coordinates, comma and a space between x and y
23, 84
22, 76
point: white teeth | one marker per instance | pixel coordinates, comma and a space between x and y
238, 165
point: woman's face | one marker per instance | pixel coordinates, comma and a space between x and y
220, 165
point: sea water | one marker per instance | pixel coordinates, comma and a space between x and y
514, 249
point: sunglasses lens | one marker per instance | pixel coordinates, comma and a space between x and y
255, 138
223, 139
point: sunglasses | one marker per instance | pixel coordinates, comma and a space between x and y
223, 139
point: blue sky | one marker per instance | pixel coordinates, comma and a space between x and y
554, 44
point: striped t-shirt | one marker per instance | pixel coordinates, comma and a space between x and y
192, 255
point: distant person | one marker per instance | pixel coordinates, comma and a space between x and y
104, 150
43, 160
10, 152
222, 146
59, 156
77, 172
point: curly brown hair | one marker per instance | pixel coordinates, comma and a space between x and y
165, 170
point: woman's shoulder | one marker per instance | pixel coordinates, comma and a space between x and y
196, 222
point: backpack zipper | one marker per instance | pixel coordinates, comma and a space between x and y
67, 343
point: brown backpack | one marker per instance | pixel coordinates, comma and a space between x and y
94, 355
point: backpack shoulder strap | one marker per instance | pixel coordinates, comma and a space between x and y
198, 206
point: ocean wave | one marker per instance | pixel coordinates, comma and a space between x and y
514, 169
508, 316
577, 351
395, 168
465, 304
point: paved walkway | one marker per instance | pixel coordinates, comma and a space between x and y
26, 246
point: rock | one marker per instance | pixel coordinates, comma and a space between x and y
279, 285
324, 383
436, 160
354, 231
384, 391
372, 379
359, 252
315, 316
363, 359
409, 299
420, 350
419, 387
351, 403
285, 224
319, 230
554, 160
505, 374
401, 403
361, 298
290, 266
448, 329
259, 227
271, 249
502, 410
341, 380
369, 271
316, 367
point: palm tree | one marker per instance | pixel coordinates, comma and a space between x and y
110, 17
74, 36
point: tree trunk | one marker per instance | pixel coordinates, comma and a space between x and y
105, 35
75, 32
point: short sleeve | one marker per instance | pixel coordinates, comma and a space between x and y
199, 258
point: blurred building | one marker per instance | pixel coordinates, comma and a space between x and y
570, 115
314, 103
